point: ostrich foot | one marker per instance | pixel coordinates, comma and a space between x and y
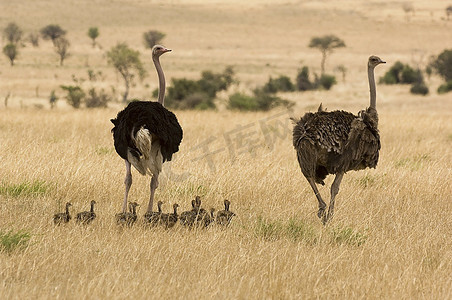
321, 213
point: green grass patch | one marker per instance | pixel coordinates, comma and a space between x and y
413, 163
293, 229
348, 236
104, 151
10, 241
26, 188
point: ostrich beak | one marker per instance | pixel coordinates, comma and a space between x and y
166, 50
382, 62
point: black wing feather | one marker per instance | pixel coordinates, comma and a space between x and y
160, 122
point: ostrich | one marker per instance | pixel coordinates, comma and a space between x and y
146, 134
128, 218
188, 217
153, 218
63, 217
336, 142
85, 217
225, 216
169, 220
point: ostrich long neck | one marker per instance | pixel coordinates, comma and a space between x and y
67, 210
158, 67
92, 207
373, 90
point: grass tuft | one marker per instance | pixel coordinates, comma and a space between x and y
348, 236
10, 241
294, 229
26, 188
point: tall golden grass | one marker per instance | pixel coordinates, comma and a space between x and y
390, 237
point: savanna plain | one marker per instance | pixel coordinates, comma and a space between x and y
391, 233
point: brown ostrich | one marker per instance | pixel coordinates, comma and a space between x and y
188, 218
336, 142
128, 218
169, 220
86, 217
63, 217
153, 218
225, 216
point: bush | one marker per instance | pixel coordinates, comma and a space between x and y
12, 33
10, 241
303, 82
409, 75
97, 99
11, 51
401, 74
419, 88
445, 88
52, 32
242, 102
75, 95
327, 81
262, 101
443, 65
280, 84
152, 38
198, 94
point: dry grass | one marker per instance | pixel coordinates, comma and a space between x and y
390, 237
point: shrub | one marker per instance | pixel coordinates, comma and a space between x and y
12, 33
419, 88
280, 84
52, 32
303, 82
409, 75
93, 33
53, 99
97, 98
152, 38
445, 88
327, 81
261, 101
75, 95
242, 102
443, 65
11, 51
198, 94
33, 37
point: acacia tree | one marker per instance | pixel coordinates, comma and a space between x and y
127, 62
11, 52
62, 48
12, 33
326, 44
52, 32
152, 38
93, 33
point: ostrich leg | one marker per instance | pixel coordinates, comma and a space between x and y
322, 204
154, 185
128, 184
334, 191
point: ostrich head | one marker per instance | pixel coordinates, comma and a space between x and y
68, 204
158, 50
93, 202
374, 61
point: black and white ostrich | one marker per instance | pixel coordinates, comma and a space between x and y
336, 142
146, 134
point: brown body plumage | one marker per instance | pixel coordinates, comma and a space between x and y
63, 217
336, 142
169, 220
86, 217
153, 218
190, 217
127, 218
225, 216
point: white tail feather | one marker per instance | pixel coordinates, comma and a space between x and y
151, 159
